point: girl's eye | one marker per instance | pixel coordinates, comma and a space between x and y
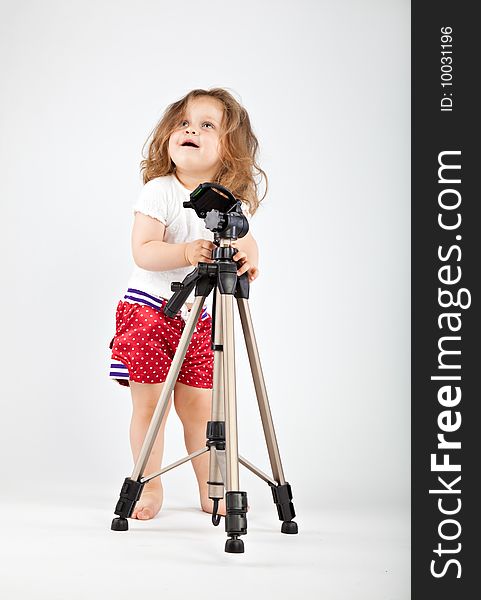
205, 123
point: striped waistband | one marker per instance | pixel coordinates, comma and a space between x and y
157, 302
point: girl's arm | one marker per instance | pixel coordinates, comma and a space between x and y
151, 253
249, 252
149, 250
248, 245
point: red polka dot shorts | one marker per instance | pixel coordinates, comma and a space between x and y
146, 339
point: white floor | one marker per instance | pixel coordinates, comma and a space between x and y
66, 551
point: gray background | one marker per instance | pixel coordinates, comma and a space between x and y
327, 88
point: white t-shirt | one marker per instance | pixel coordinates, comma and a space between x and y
162, 198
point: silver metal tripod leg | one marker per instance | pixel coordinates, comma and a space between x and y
217, 457
261, 392
169, 384
230, 402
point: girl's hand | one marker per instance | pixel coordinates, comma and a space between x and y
199, 251
241, 257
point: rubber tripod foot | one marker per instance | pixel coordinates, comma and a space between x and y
289, 527
119, 524
234, 545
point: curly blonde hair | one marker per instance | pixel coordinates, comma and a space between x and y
238, 147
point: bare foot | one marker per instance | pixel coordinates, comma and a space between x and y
148, 504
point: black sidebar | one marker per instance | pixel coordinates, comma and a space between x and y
446, 331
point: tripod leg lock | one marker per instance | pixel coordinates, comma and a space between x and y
282, 495
216, 434
235, 518
129, 494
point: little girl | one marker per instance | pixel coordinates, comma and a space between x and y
204, 137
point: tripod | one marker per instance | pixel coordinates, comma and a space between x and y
221, 432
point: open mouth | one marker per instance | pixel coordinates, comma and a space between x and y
189, 145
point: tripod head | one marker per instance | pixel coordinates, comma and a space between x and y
222, 215
220, 210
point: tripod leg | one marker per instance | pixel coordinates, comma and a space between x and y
235, 500
133, 485
216, 426
281, 493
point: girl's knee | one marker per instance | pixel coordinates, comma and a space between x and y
192, 404
145, 408
145, 396
145, 413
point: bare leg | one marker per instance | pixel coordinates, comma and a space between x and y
193, 405
144, 400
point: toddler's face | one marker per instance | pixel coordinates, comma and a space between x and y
200, 124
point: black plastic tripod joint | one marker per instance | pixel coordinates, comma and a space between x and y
216, 434
215, 437
129, 494
282, 495
235, 520
203, 278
